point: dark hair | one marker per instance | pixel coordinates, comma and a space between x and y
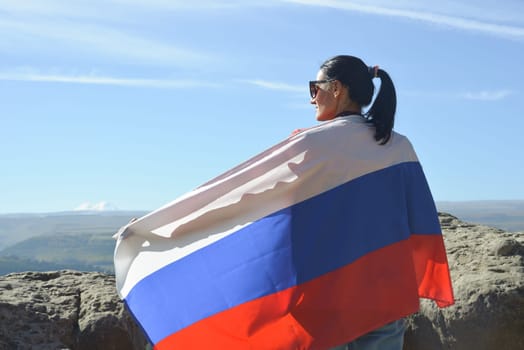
357, 76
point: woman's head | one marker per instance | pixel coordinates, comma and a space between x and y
344, 84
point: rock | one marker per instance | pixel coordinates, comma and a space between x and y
487, 271
64, 310
506, 247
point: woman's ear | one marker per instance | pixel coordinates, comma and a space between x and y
336, 88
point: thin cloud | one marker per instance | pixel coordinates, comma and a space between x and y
464, 23
271, 85
484, 95
208, 5
76, 9
105, 80
34, 30
487, 95
100, 40
117, 9
472, 18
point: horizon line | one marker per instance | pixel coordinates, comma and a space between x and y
94, 211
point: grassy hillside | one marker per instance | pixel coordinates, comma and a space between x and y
69, 250
69, 240
15, 228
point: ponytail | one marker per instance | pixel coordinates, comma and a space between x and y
382, 113
352, 72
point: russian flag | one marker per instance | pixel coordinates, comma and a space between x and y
308, 245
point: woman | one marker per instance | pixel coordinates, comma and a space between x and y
329, 237
343, 86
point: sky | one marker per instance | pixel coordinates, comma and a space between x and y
129, 104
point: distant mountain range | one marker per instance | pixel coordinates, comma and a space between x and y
82, 240
504, 214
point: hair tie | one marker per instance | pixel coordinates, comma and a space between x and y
373, 71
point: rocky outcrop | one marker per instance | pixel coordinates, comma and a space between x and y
74, 310
487, 270
64, 310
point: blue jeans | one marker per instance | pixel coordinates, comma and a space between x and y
388, 337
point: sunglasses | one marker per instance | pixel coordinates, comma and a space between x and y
313, 86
